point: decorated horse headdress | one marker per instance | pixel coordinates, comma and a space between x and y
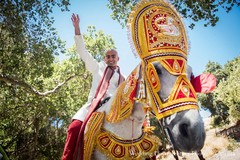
157, 34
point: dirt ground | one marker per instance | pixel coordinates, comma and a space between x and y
215, 148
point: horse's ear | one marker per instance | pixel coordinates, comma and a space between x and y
204, 83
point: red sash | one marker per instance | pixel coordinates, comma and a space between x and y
101, 91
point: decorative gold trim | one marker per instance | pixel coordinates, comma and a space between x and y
93, 128
153, 77
123, 101
182, 97
154, 26
115, 147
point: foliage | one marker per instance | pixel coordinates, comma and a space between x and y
38, 94
28, 40
97, 43
195, 10
224, 102
28, 43
34, 126
207, 100
3, 155
228, 90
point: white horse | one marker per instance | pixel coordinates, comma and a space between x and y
186, 127
159, 84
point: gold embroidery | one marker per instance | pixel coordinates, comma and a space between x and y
123, 101
156, 27
93, 128
182, 97
116, 148
153, 77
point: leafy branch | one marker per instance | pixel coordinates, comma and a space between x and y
33, 90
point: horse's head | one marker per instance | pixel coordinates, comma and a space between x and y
179, 116
163, 48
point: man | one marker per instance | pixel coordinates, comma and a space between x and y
106, 78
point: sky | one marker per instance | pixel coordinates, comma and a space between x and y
216, 44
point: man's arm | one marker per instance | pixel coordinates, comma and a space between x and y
90, 63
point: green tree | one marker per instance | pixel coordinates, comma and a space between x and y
223, 102
34, 124
38, 94
207, 100
195, 10
229, 89
218, 110
97, 43
28, 43
28, 40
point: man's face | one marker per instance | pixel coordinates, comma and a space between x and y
111, 58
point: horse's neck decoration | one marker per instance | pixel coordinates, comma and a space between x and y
117, 148
158, 35
124, 100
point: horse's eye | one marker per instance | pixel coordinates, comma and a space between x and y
158, 68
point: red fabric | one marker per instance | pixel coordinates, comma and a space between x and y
73, 149
72, 135
101, 90
104, 82
204, 83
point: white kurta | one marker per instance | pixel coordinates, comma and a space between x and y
97, 70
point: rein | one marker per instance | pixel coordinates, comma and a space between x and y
167, 136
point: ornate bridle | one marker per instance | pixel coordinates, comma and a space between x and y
157, 34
